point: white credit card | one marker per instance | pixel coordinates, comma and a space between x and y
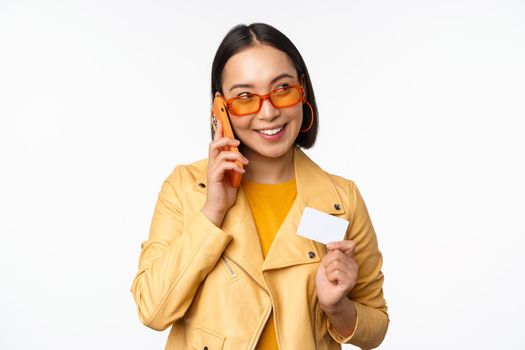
321, 227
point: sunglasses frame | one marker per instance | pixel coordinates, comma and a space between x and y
229, 102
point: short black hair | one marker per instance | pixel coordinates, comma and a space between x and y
243, 36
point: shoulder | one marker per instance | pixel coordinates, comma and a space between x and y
186, 174
345, 186
320, 186
347, 191
341, 183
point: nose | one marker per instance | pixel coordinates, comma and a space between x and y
268, 111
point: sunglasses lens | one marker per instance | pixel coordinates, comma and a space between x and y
287, 96
250, 104
245, 105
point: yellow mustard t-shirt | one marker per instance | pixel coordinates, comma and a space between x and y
270, 204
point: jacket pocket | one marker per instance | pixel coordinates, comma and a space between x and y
204, 339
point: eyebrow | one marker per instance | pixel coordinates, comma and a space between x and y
280, 76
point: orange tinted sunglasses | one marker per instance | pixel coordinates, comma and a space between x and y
279, 98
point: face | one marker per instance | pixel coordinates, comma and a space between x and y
260, 69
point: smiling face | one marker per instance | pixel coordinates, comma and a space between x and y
271, 132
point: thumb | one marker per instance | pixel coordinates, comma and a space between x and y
346, 246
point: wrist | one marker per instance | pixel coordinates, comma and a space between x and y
343, 319
215, 216
338, 308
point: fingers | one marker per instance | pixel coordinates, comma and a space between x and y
217, 145
220, 142
231, 156
226, 160
345, 246
223, 166
222, 157
344, 277
336, 259
340, 268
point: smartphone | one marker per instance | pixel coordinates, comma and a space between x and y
220, 113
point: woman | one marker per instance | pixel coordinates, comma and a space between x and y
223, 265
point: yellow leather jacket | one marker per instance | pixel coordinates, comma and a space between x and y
214, 288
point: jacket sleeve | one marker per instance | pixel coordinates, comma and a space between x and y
367, 295
176, 258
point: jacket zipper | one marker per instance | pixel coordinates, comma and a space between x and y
233, 273
275, 324
266, 317
315, 320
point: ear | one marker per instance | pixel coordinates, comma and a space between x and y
302, 79
218, 95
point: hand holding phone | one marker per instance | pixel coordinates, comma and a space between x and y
220, 113
225, 166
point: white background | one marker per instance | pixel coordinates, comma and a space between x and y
421, 103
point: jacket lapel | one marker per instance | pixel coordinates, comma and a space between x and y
245, 247
315, 189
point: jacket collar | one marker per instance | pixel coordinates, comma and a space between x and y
315, 189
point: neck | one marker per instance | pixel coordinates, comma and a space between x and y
269, 170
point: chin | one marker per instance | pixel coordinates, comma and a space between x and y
273, 152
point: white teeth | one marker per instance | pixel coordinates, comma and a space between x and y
271, 131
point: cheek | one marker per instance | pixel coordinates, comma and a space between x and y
240, 125
297, 114
296, 121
